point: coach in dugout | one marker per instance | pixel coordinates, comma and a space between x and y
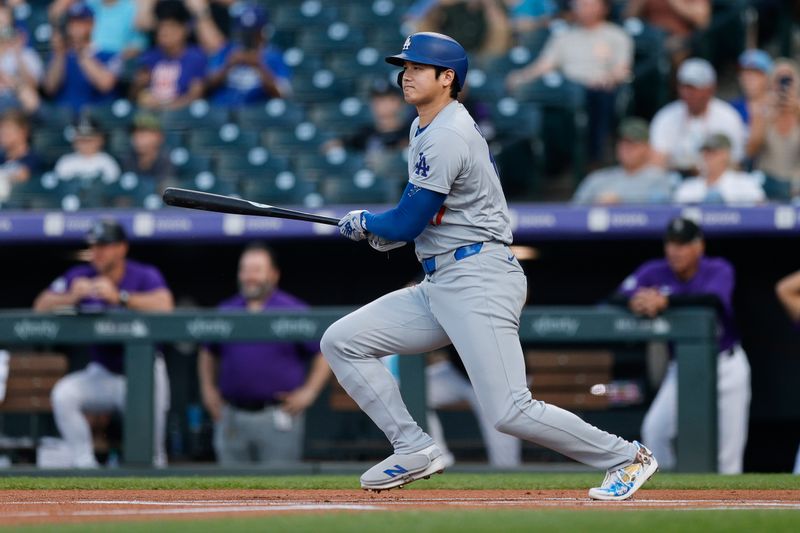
108, 282
257, 392
687, 278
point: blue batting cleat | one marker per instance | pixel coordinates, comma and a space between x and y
622, 483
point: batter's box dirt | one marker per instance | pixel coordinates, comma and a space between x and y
28, 506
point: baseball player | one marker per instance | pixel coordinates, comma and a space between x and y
110, 281
686, 277
454, 210
788, 291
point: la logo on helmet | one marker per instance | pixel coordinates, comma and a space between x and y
407, 44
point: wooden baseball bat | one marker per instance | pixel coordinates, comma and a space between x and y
228, 204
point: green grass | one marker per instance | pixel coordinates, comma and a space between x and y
455, 481
468, 521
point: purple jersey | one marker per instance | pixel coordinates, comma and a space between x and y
715, 277
251, 372
137, 278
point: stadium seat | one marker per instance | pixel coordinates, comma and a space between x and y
337, 36
53, 116
274, 114
373, 13
284, 189
651, 67
361, 187
293, 15
226, 138
320, 86
209, 182
198, 114
118, 114
335, 163
342, 118
257, 163
291, 141
188, 164
365, 62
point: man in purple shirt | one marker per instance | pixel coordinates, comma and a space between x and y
687, 278
172, 74
788, 291
256, 392
109, 282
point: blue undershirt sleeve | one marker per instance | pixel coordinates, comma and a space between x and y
409, 218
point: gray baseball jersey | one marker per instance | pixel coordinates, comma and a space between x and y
450, 156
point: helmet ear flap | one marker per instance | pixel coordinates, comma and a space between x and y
400, 78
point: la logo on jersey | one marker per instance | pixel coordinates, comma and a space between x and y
407, 44
422, 166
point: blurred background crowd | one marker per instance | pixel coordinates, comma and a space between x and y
103, 103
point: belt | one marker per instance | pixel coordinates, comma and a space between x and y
251, 406
431, 265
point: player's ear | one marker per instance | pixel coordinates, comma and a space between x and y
400, 78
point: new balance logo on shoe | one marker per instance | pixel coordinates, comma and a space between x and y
396, 471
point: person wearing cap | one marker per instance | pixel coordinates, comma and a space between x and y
257, 392
21, 68
593, 53
78, 75
88, 161
755, 69
635, 180
718, 182
774, 141
247, 69
686, 277
114, 29
109, 282
148, 157
171, 75
679, 128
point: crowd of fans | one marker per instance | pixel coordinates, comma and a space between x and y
164, 56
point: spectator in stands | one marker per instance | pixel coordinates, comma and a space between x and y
109, 281
148, 158
788, 291
718, 182
635, 179
774, 140
527, 16
680, 19
481, 26
17, 162
687, 278
248, 70
88, 161
20, 68
593, 53
257, 392
78, 75
755, 69
381, 140
113, 30
679, 128
171, 75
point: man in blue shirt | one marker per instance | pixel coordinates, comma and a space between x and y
250, 70
78, 75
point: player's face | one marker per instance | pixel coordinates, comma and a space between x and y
420, 84
257, 275
106, 257
683, 258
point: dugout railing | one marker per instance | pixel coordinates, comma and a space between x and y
690, 331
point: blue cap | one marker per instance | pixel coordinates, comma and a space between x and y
756, 60
252, 18
80, 10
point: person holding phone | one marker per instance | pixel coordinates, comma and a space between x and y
774, 140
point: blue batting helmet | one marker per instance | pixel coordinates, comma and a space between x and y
429, 48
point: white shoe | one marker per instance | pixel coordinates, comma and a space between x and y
401, 469
622, 483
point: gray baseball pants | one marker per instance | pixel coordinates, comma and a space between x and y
475, 303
